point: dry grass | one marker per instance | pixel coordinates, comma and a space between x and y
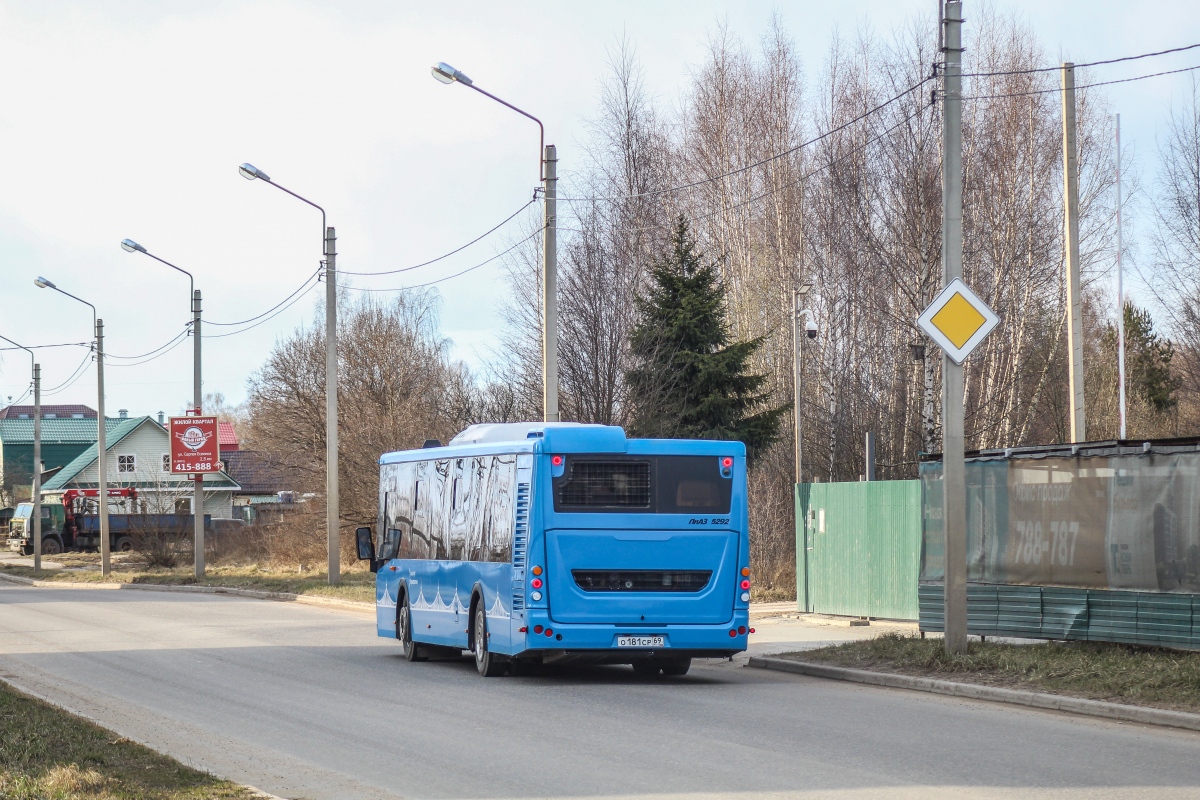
48, 754
357, 583
1147, 676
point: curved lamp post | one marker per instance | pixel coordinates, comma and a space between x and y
332, 509
547, 173
130, 246
36, 520
101, 443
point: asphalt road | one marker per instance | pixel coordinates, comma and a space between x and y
307, 702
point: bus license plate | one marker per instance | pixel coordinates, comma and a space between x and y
640, 641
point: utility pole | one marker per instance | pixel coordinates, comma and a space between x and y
37, 468
101, 452
198, 478
332, 509
954, 488
1071, 242
1120, 292
550, 288
797, 340
36, 529
869, 449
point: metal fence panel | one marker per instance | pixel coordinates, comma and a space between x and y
858, 548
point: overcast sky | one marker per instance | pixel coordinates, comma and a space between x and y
128, 118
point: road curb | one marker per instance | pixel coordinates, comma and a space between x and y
304, 599
995, 694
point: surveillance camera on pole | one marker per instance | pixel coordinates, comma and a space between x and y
810, 329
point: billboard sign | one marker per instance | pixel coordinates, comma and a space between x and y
194, 446
1115, 521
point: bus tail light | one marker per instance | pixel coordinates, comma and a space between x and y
732, 633
536, 583
746, 583
537, 628
745, 572
536, 570
549, 631
741, 630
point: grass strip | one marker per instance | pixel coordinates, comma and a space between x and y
48, 754
1119, 673
355, 585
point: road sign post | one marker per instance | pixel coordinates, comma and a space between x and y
958, 321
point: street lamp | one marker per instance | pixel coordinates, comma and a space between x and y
37, 456
547, 173
101, 443
130, 246
332, 512
810, 330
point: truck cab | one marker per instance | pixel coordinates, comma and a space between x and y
20, 529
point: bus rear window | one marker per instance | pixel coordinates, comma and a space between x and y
646, 484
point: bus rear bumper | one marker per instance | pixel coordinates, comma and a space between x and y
593, 641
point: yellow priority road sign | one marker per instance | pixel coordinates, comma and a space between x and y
957, 320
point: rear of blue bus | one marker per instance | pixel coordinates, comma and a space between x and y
637, 550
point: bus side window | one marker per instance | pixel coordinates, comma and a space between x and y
502, 488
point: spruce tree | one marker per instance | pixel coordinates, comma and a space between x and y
688, 379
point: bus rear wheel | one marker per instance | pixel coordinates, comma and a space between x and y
485, 661
412, 650
676, 666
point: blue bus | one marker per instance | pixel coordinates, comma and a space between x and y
555, 543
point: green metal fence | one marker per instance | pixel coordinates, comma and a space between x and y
858, 548
1054, 612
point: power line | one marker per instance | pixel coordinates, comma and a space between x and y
482, 236
759, 163
297, 299
1087, 64
303, 287
42, 346
455, 275
168, 343
1084, 86
178, 340
74, 376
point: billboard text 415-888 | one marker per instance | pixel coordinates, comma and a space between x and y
194, 447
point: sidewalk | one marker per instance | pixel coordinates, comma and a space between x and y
780, 628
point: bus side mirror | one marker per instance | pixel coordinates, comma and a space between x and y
365, 544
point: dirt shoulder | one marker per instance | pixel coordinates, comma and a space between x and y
1144, 676
356, 585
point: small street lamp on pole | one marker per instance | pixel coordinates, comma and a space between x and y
332, 510
810, 330
101, 443
547, 174
130, 246
37, 456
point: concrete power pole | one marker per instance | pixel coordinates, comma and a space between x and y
198, 478
954, 488
101, 452
1071, 242
550, 289
37, 467
332, 506
797, 339
1120, 293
